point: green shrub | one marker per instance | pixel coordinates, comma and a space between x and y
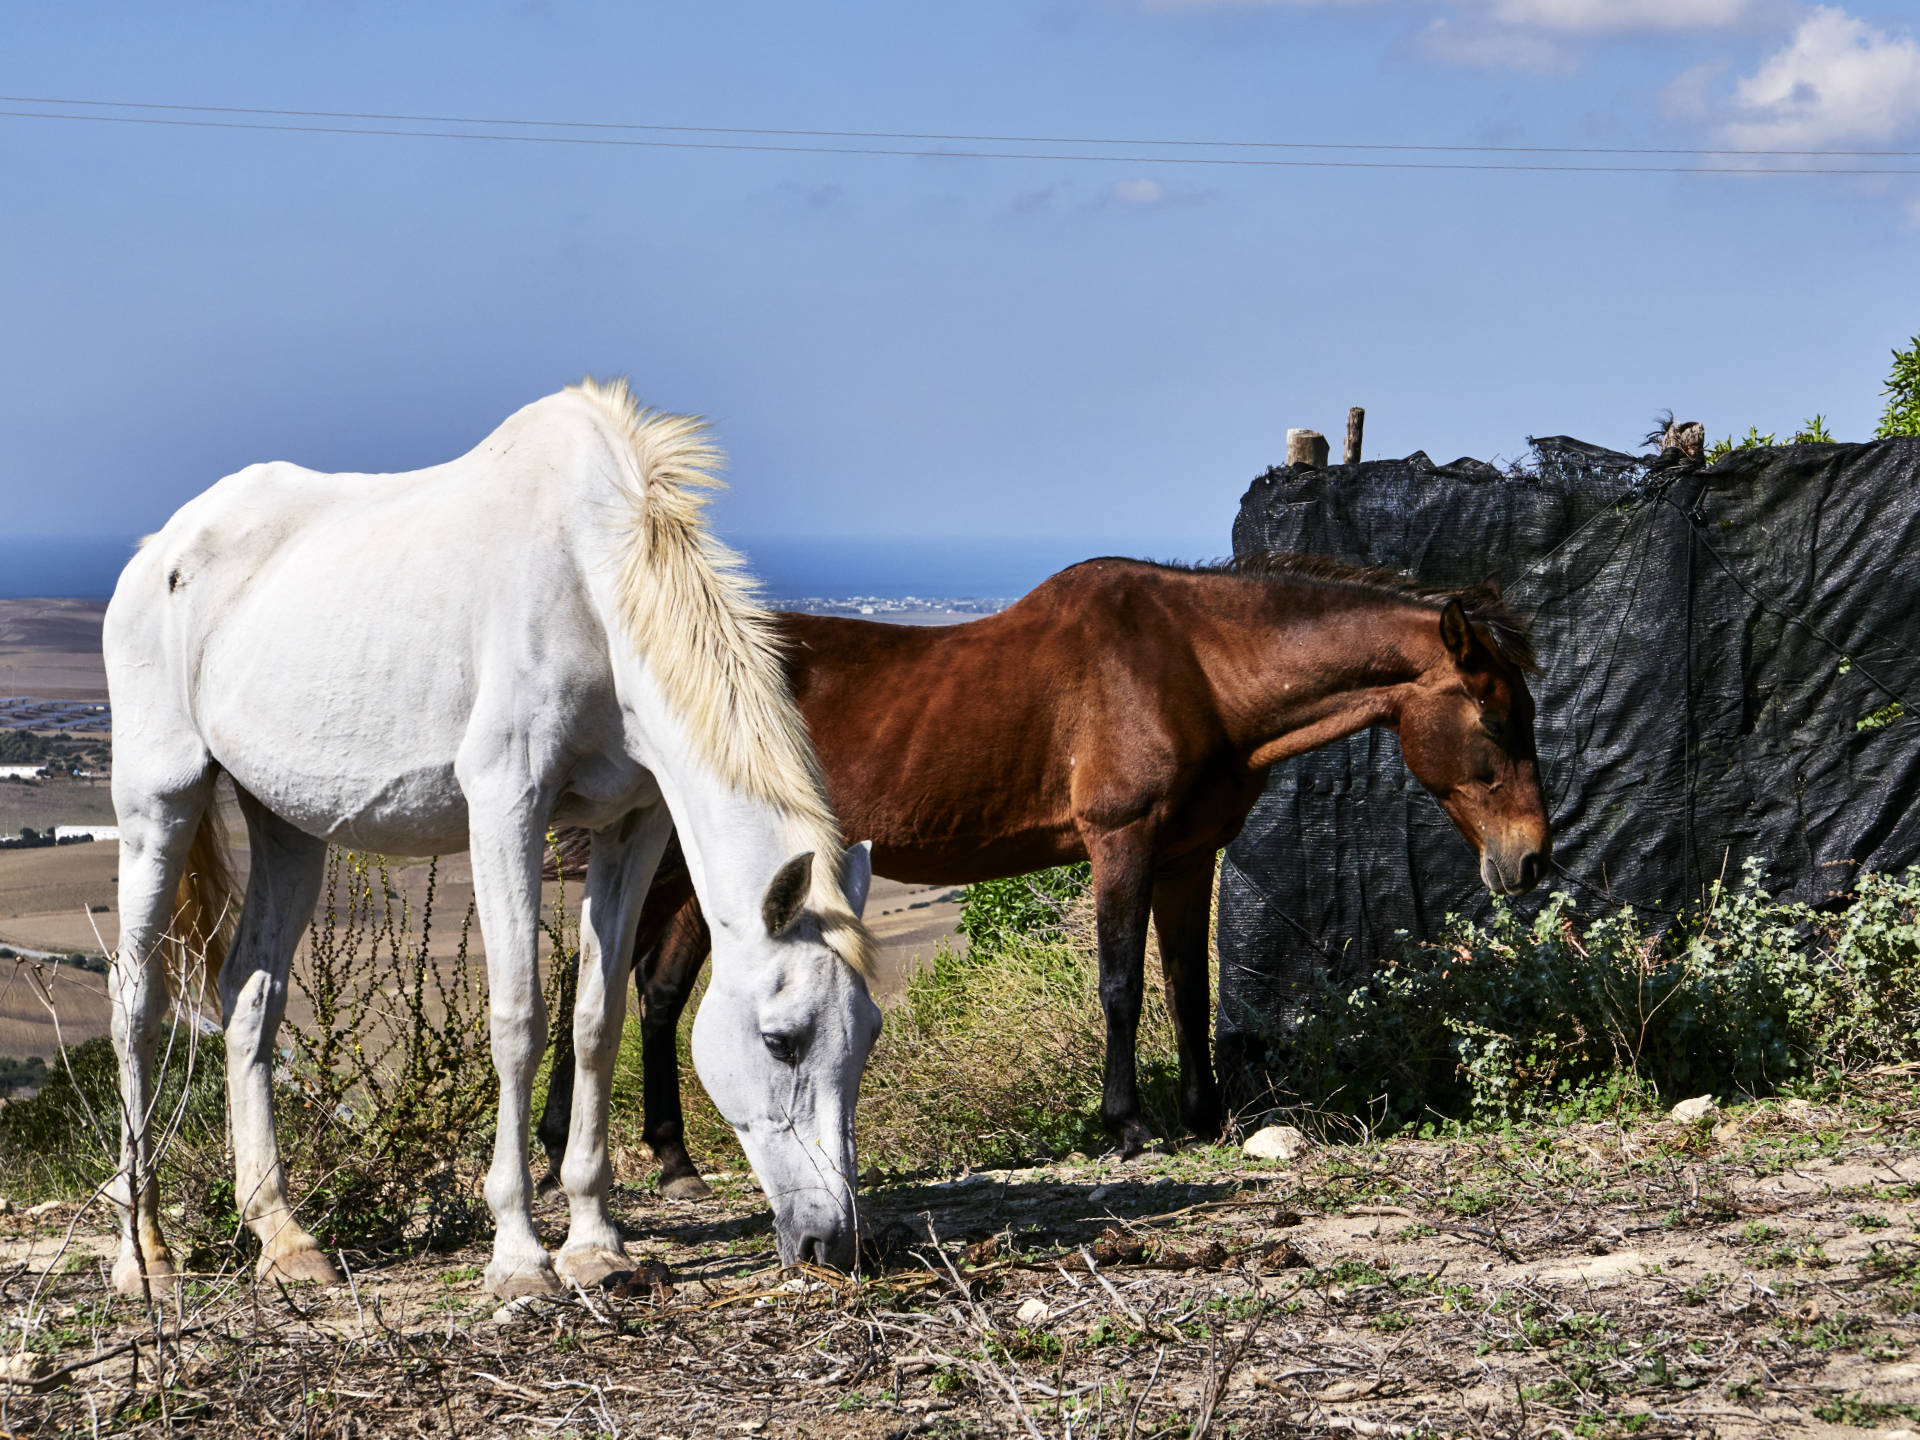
1811, 432
1902, 413
995, 913
1521, 1018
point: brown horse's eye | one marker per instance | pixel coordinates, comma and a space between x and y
1496, 730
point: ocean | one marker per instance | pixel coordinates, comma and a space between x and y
789, 568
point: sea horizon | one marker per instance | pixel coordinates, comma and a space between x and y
788, 568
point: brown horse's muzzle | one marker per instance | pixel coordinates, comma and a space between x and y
1514, 863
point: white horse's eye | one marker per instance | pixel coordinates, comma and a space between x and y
783, 1048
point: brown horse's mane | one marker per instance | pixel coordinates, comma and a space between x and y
1509, 632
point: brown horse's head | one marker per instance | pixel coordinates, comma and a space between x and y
1467, 735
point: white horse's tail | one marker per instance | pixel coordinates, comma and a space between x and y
203, 912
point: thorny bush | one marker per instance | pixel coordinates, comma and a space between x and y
384, 1101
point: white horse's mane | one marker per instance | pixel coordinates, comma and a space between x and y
691, 611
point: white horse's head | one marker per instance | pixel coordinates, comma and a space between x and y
780, 1042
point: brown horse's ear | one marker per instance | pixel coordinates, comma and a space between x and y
787, 894
1456, 633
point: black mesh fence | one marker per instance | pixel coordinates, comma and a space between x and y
1732, 666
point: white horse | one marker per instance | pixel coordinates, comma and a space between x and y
540, 632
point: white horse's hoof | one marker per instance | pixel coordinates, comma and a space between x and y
686, 1187
505, 1284
301, 1266
160, 1276
591, 1264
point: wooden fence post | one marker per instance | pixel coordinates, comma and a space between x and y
1356, 422
1307, 447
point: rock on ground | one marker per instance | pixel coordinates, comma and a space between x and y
1275, 1142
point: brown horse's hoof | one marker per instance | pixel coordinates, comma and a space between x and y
685, 1187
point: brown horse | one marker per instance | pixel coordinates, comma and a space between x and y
1126, 713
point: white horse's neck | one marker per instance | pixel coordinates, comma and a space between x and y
734, 845
734, 842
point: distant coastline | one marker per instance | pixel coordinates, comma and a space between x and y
902, 610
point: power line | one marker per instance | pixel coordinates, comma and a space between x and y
995, 139
767, 148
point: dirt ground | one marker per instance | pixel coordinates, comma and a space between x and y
50, 649
1760, 1278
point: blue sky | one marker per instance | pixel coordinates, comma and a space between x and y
937, 347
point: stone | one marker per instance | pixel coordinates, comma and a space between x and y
43, 1209
1033, 1311
23, 1365
1275, 1142
1694, 1111
1098, 1194
514, 1309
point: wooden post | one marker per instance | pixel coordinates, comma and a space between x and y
1356, 422
1307, 447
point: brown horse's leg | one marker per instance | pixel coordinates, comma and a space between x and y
664, 989
1182, 901
670, 895
1122, 889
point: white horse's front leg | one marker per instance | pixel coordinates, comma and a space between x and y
619, 871
506, 844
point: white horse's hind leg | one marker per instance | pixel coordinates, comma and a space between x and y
622, 863
506, 844
156, 832
283, 881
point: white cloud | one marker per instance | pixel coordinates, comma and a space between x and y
1138, 192
1618, 17
1494, 49
1838, 80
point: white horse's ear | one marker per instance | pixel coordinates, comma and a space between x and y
856, 875
787, 894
